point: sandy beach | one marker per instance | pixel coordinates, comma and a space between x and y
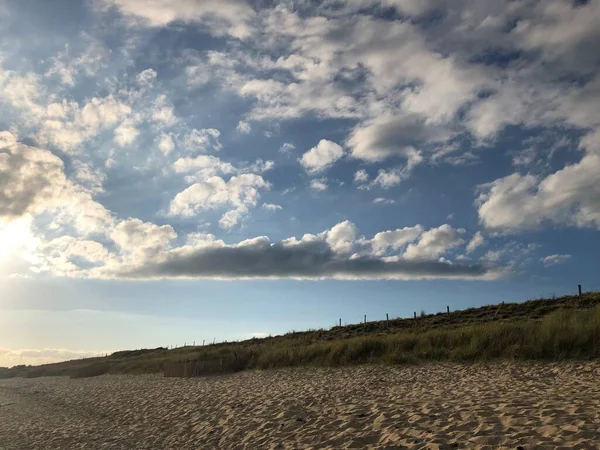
427, 407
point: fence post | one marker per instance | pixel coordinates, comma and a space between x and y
214, 340
500, 306
340, 322
387, 318
365, 318
448, 309
203, 342
579, 288
415, 315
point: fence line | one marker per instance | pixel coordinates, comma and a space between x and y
208, 366
215, 366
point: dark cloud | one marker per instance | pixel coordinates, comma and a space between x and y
400, 135
26, 178
310, 260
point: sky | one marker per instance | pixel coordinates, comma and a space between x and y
179, 171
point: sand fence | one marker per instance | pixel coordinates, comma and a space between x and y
209, 366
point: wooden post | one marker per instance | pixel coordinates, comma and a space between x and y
365, 318
340, 322
448, 309
579, 288
415, 315
387, 318
203, 342
214, 340
501, 305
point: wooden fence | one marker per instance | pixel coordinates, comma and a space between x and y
208, 366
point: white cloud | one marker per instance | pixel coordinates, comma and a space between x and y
408, 7
493, 256
394, 239
204, 166
89, 62
513, 256
165, 143
146, 78
319, 184
89, 177
141, 241
397, 65
30, 178
66, 125
384, 201
342, 236
240, 193
164, 115
221, 17
551, 260
287, 101
562, 32
259, 166
287, 148
435, 242
413, 87
406, 83
477, 241
204, 140
22, 93
570, 196
361, 176
232, 217
62, 256
201, 167
389, 136
388, 178
243, 127
126, 134
322, 156
33, 181
271, 207
525, 158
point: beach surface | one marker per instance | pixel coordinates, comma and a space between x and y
434, 406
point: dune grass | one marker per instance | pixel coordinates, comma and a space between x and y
561, 335
550, 330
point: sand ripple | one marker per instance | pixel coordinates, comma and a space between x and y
439, 406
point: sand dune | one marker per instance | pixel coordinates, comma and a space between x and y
427, 407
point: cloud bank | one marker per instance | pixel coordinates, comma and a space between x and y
333, 254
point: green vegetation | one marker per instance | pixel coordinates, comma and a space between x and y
563, 328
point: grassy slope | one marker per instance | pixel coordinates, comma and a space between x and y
545, 329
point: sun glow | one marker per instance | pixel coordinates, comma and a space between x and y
17, 247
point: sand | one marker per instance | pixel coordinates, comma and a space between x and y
370, 407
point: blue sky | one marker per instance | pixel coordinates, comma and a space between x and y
173, 171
